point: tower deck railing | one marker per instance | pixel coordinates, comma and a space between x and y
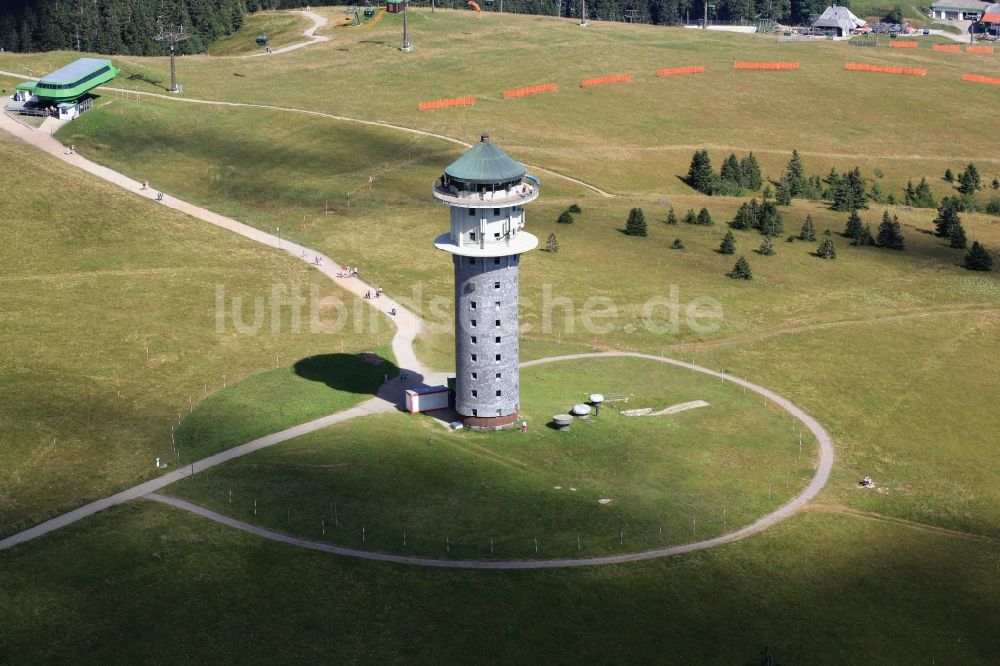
516, 196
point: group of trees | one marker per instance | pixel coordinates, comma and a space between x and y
126, 27
763, 217
919, 196
734, 177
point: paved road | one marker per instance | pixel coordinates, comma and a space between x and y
796, 503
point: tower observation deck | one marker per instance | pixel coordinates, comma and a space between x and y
486, 192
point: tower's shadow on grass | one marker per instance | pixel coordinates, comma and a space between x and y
354, 373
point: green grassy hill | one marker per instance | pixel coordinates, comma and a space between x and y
893, 352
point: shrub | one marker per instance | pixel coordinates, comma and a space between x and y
565, 218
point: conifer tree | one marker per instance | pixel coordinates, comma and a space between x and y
796, 175
678, 244
924, 197
947, 217
996, 183
636, 225
552, 245
700, 174
783, 192
956, 237
750, 177
671, 216
741, 271
730, 170
728, 245
970, 180
767, 247
949, 176
767, 193
876, 194
826, 249
910, 196
808, 232
769, 220
890, 233
690, 218
575, 209
746, 216
704, 217
850, 192
854, 228
978, 259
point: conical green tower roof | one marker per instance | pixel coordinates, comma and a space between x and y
484, 163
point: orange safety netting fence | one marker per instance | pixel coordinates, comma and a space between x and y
447, 103
602, 80
885, 69
530, 90
903, 45
783, 66
676, 71
976, 78
950, 48
979, 49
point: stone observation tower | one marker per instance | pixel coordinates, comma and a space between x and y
486, 191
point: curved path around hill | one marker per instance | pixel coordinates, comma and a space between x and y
389, 396
816, 484
310, 33
407, 326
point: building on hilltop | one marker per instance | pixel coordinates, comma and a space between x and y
65, 92
486, 192
958, 10
991, 16
838, 21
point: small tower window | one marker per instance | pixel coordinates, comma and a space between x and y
472, 322
498, 375
475, 412
496, 285
496, 211
496, 260
472, 211
498, 393
472, 235
475, 393
472, 260
497, 304
498, 357
498, 322
472, 305
475, 375
496, 236
473, 339
497, 339
473, 357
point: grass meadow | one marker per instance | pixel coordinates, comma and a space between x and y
281, 28
893, 352
110, 331
670, 479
